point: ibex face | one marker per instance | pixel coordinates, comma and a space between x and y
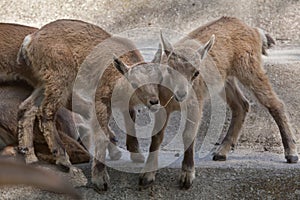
144, 78
184, 66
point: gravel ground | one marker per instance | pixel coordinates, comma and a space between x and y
256, 169
280, 18
244, 176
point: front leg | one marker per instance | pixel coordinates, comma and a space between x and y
113, 150
100, 135
193, 117
54, 98
239, 107
100, 177
148, 177
54, 143
132, 143
25, 133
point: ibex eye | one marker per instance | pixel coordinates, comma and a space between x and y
196, 74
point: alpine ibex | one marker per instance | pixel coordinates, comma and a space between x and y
11, 38
235, 50
54, 55
12, 95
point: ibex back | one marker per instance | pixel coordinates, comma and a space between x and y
234, 49
54, 55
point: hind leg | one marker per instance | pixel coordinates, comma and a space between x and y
256, 79
239, 106
26, 117
193, 118
55, 96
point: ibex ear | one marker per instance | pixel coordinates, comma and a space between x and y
120, 66
158, 55
168, 49
205, 49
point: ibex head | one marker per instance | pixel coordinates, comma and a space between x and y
145, 79
184, 66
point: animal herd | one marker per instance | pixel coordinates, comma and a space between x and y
38, 70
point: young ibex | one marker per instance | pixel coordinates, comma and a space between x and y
235, 50
11, 38
12, 95
54, 55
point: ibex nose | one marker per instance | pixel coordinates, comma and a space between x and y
153, 101
179, 96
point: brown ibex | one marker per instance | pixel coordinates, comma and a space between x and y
12, 95
54, 55
11, 38
235, 50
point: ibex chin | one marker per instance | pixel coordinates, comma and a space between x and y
235, 50
54, 55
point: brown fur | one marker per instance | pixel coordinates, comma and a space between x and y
11, 38
236, 53
54, 55
12, 96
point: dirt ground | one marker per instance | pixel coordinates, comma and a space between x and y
256, 169
244, 176
280, 18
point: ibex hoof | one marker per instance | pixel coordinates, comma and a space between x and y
100, 181
63, 164
100, 187
22, 150
63, 167
186, 179
137, 157
29, 154
291, 159
146, 179
218, 157
31, 158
